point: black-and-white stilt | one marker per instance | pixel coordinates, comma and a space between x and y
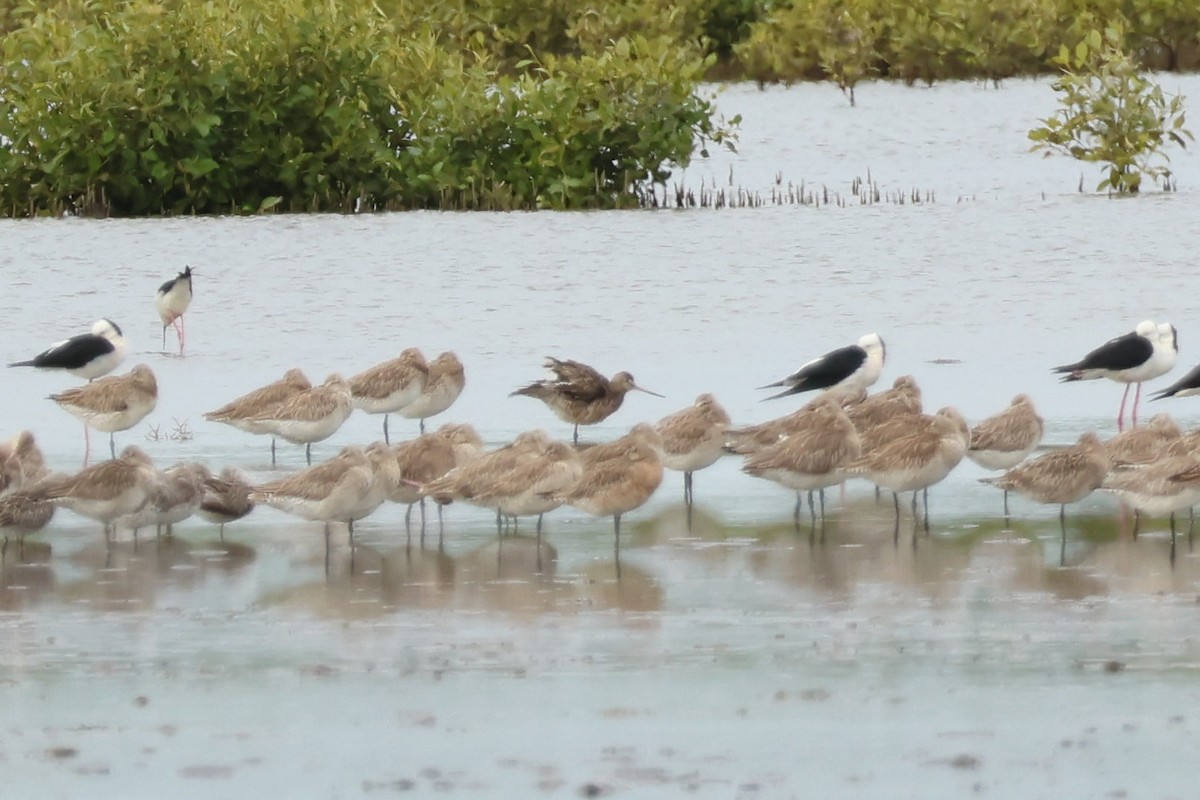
171, 302
847, 369
1138, 356
88, 355
1187, 386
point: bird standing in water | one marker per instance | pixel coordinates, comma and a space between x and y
579, 394
88, 355
171, 302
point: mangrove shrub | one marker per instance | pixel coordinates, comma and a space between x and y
1112, 114
115, 107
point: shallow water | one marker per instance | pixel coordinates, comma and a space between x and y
734, 659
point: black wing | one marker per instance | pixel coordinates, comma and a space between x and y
1191, 381
168, 286
821, 373
1124, 352
70, 354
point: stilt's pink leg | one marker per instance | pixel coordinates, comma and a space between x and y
87, 444
182, 335
1137, 398
1121, 413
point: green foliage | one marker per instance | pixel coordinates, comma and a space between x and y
109, 107
1111, 114
930, 40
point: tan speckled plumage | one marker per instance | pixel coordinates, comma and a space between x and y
903, 398
1004, 440
1059, 477
694, 438
23, 513
390, 385
242, 411
106, 490
174, 496
226, 497
1143, 445
444, 383
811, 458
21, 462
312, 415
114, 403
467, 481
918, 459
618, 476
327, 492
534, 483
752, 438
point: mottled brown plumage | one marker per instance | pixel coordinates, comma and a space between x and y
752, 438
618, 476
466, 482
331, 491
21, 462
693, 438
226, 498
106, 490
1004, 440
23, 513
579, 394
1143, 445
1059, 477
312, 415
903, 398
390, 385
443, 384
242, 412
111, 404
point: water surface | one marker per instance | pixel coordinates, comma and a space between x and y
732, 659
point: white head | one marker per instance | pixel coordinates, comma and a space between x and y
1147, 328
106, 328
1168, 336
871, 343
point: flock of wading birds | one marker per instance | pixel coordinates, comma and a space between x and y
843, 433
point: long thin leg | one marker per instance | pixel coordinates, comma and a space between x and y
386, 440
1137, 522
308, 453
1062, 524
617, 535
327, 549
575, 436
1172, 538
812, 513
796, 511
272, 451
87, 444
182, 335
164, 344
821, 494
422, 425
112, 445
1121, 412
1137, 398
687, 488
896, 530
925, 506
1006, 506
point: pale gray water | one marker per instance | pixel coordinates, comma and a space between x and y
735, 661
